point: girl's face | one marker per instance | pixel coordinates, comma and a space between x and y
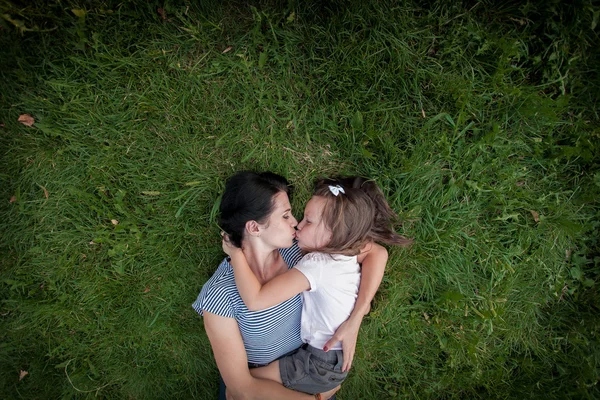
279, 231
312, 232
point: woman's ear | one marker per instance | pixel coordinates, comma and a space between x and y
252, 228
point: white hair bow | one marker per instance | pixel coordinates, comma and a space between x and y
336, 189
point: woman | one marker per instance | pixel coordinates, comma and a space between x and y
256, 215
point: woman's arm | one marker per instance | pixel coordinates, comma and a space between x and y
230, 354
373, 259
257, 296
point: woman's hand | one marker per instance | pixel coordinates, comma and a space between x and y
347, 333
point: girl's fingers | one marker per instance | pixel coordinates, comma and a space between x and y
225, 237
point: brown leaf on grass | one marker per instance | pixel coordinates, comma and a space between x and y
46, 195
163, 14
227, 49
23, 374
536, 215
520, 183
1, 125
568, 253
12, 199
26, 119
147, 289
114, 221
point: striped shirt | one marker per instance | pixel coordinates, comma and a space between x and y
267, 334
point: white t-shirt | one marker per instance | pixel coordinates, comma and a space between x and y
334, 280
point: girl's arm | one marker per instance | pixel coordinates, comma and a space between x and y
257, 296
230, 354
373, 259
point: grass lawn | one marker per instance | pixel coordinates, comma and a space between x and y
478, 119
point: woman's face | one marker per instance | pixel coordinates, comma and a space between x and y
279, 231
312, 232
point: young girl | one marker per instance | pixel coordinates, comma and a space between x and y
343, 218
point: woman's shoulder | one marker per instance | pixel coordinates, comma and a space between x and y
292, 254
219, 293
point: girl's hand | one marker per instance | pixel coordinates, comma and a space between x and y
329, 394
228, 247
347, 333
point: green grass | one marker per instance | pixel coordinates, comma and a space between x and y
475, 118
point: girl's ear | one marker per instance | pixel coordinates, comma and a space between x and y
252, 228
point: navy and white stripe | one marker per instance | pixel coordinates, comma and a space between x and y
268, 334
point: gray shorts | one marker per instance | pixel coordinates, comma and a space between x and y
311, 370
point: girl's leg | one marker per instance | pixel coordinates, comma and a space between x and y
270, 372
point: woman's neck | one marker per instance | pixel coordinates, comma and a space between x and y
263, 260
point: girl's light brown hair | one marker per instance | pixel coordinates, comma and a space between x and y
356, 217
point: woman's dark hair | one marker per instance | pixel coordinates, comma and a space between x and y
248, 196
356, 217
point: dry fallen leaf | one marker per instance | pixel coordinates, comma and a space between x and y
114, 221
147, 289
227, 49
26, 119
520, 183
12, 199
536, 216
45, 191
23, 374
163, 14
